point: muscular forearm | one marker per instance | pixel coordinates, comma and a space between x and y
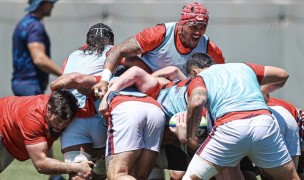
53, 166
269, 88
83, 83
128, 48
194, 117
274, 78
196, 102
171, 72
136, 61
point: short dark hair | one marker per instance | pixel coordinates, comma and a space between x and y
63, 104
200, 60
98, 36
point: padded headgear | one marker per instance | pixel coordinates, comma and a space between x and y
194, 12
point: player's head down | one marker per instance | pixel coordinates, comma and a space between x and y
198, 61
98, 36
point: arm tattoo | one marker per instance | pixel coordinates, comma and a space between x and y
84, 89
197, 101
86, 85
108, 159
128, 48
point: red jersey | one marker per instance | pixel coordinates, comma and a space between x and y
22, 122
150, 38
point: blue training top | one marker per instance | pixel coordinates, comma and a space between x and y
29, 29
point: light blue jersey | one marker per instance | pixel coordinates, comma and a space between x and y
173, 97
91, 64
166, 53
232, 87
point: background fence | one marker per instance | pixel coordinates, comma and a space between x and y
268, 32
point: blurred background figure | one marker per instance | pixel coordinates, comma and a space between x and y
31, 51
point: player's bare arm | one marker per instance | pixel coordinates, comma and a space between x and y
128, 48
133, 76
38, 154
135, 61
274, 78
196, 102
171, 72
83, 83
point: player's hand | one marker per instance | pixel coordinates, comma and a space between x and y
181, 127
103, 107
84, 169
100, 88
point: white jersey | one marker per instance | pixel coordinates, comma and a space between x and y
84, 63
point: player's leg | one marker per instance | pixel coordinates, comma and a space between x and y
120, 165
78, 144
225, 146
285, 171
125, 139
98, 134
200, 168
268, 149
152, 136
230, 173
145, 163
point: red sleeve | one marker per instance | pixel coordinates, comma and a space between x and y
150, 38
214, 51
196, 82
98, 78
258, 69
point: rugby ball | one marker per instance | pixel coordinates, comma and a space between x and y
201, 129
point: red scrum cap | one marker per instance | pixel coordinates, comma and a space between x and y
194, 12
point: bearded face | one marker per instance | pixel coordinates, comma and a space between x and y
55, 124
53, 134
191, 34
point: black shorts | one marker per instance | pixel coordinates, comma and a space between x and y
177, 159
246, 165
